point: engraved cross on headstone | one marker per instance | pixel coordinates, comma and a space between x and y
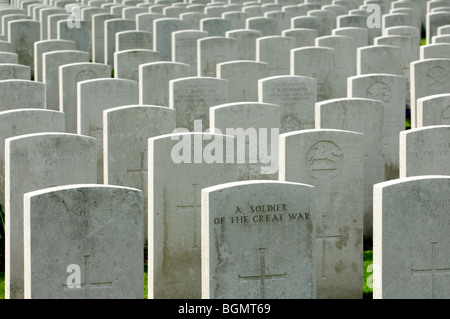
194, 208
262, 276
437, 77
87, 285
142, 171
323, 237
433, 271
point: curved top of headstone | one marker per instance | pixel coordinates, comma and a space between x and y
407, 180
301, 132
252, 182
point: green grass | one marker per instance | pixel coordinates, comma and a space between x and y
407, 124
367, 261
145, 281
2, 285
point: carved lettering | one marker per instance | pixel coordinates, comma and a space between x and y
265, 213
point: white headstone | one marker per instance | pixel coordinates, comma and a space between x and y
177, 173
242, 77
133, 39
11, 71
21, 122
33, 162
318, 63
52, 24
17, 94
22, 34
333, 162
428, 77
98, 35
44, 46
344, 60
256, 127
425, 151
243, 218
80, 34
69, 76
192, 19
361, 35
327, 19
391, 90
113, 26
7, 57
154, 80
303, 37
214, 50
434, 21
363, 116
126, 62
108, 257
405, 31
268, 26
410, 261
126, 131
296, 96
433, 110
93, 97
306, 22
144, 21
384, 59
192, 98
246, 42
215, 27
275, 51
51, 61
237, 19
184, 47
44, 13
162, 35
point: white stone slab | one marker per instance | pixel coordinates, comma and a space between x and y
410, 253
33, 162
69, 76
93, 97
71, 220
333, 162
296, 96
240, 259
154, 80
174, 224
16, 94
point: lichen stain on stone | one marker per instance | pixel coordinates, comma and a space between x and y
390, 172
344, 237
339, 267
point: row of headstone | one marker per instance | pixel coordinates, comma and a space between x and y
333, 162
324, 143
179, 275
326, 159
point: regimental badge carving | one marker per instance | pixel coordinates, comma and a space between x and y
437, 77
324, 160
379, 91
445, 116
85, 75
